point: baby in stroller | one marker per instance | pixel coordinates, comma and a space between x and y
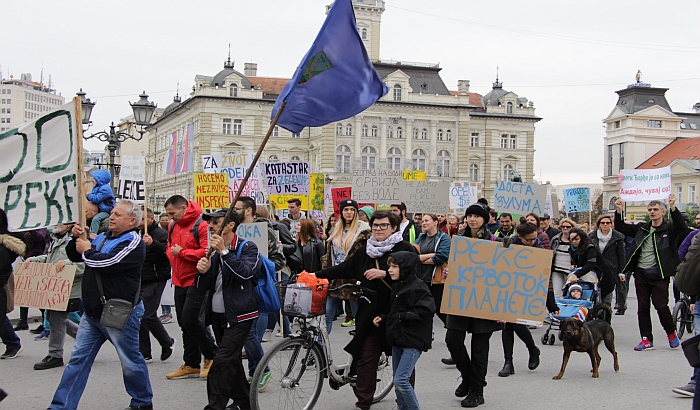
580, 298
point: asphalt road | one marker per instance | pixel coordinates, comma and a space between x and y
644, 381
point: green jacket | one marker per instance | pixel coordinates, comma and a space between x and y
57, 252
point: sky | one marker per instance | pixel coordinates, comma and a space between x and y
569, 58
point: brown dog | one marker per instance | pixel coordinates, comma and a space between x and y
585, 337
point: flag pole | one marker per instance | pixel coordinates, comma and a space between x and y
145, 194
81, 166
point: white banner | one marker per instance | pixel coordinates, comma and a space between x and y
132, 179
38, 171
520, 198
645, 184
236, 165
463, 194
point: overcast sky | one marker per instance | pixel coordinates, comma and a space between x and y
569, 58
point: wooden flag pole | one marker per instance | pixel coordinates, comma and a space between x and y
145, 193
81, 165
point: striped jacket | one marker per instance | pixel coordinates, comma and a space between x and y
118, 259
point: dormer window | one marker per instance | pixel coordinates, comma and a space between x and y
397, 92
364, 34
233, 90
509, 108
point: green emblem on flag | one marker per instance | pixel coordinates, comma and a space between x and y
316, 65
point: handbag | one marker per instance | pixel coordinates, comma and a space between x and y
115, 311
690, 350
296, 259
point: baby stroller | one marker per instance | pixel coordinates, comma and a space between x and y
569, 307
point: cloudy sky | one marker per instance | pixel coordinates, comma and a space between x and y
567, 57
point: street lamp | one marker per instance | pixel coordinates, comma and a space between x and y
143, 112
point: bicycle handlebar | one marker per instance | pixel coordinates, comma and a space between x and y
360, 292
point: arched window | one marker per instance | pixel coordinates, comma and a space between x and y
390, 132
273, 158
415, 133
611, 205
399, 132
233, 90
369, 158
364, 34
418, 159
374, 130
448, 134
509, 108
439, 134
397, 92
342, 159
443, 163
393, 158
473, 173
365, 130
424, 134
348, 129
507, 172
295, 158
339, 129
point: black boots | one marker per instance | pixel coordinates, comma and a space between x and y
462, 389
534, 360
474, 398
508, 368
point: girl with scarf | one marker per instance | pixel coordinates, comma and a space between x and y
369, 265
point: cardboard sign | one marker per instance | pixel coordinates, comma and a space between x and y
255, 232
328, 198
577, 199
211, 191
462, 194
38, 285
377, 186
132, 179
414, 175
317, 192
645, 184
520, 198
38, 170
236, 166
287, 177
427, 196
489, 281
280, 201
339, 195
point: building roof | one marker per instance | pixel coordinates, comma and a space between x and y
269, 85
492, 97
474, 98
691, 121
636, 98
220, 78
423, 78
170, 108
680, 148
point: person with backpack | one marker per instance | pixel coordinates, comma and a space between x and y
187, 244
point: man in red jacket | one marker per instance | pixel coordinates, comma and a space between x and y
187, 244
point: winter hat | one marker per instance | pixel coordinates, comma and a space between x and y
478, 209
368, 210
575, 287
348, 202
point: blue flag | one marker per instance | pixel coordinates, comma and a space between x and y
336, 78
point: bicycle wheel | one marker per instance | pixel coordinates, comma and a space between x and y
679, 312
293, 385
385, 378
690, 324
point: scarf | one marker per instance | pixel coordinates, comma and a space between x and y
603, 239
376, 249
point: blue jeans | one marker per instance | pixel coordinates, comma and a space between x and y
8, 335
331, 307
97, 221
403, 361
90, 337
253, 349
165, 309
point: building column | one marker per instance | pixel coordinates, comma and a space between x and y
407, 163
382, 142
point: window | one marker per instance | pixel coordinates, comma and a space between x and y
227, 126
364, 34
415, 133
397, 92
439, 134
365, 130
419, 159
509, 108
342, 159
653, 123
348, 129
295, 158
374, 130
390, 132
276, 131
424, 134
611, 204
273, 158
693, 126
622, 156
3, 111
369, 158
443, 163
448, 134
507, 172
616, 124
339, 129
296, 135
399, 130
237, 127
394, 158
474, 140
513, 141
679, 193
610, 160
233, 90
504, 141
474, 173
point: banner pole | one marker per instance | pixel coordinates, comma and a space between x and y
81, 165
145, 194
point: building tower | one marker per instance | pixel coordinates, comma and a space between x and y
368, 14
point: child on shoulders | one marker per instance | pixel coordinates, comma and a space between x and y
102, 196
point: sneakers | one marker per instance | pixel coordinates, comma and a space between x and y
687, 391
166, 318
673, 340
348, 323
167, 351
49, 362
148, 359
183, 372
205, 369
43, 335
264, 380
645, 344
11, 353
38, 330
448, 361
267, 336
21, 326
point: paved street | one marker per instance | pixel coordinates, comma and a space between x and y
644, 381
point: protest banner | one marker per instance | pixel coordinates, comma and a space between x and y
413, 175
426, 196
377, 186
489, 281
462, 195
328, 198
520, 198
317, 192
287, 177
279, 202
211, 191
235, 166
38, 285
339, 195
255, 232
39, 170
132, 179
645, 184
577, 199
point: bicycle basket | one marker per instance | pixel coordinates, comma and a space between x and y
297, 300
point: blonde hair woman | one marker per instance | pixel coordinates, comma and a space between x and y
561, 264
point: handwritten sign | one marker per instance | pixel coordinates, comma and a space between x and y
645, 184
520, 198
414, 175
280, 201
427, 196
38, 171
488, 281
287, 177
255, 232
211, 191
340, 195
38, 285
577, 199
317, 192
236, 166
377, 186
132, 179
328, 198
462, 195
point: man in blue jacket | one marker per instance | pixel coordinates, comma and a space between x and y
115, 257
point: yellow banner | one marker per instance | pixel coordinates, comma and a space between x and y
414, 175
317, 192
279, 201
211, 190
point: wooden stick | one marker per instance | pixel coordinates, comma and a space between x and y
81, 169
145, 193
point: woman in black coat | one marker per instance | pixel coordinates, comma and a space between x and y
587, 261
305, 254
611, 244
11, 246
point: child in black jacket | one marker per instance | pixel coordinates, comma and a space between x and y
409, 323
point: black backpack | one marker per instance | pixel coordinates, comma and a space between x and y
688, 272
194, 230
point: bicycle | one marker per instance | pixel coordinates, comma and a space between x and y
299, 364
683, 316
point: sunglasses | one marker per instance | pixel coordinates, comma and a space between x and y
566, 227
605, 223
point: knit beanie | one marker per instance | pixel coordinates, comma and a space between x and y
368, 210
575, 287
348, 202
479, 209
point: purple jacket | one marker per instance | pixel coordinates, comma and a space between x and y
683, 249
